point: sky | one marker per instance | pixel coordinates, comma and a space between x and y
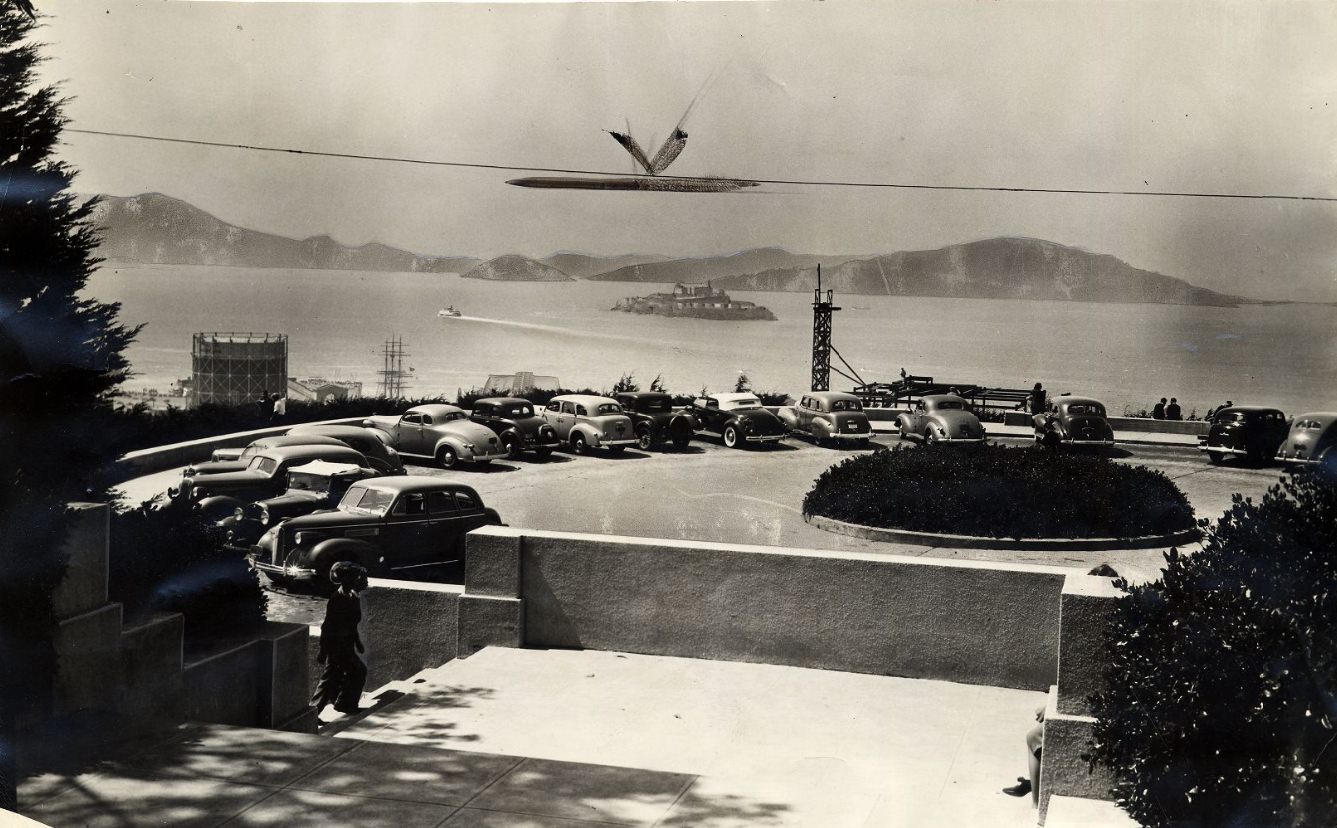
1233, 97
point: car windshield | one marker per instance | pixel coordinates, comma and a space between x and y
362, 500
263, 464
451, 415
610, 408
743, 402
248, 453
1309, 425
949, 405
1232, 417
307, 482
519, 411
1090, 409
846, 405
651, 405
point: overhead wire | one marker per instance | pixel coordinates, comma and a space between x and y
782, 181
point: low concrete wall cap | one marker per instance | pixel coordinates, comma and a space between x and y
936, 539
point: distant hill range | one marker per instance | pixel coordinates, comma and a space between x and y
517, 269
158, 229
1002, 268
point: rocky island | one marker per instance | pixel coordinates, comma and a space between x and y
695, 301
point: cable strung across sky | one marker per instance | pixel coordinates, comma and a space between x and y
704, 182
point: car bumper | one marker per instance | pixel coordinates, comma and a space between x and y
1105, 443
1298, 461
492, 453
961, 441
275, 572
618, 442
1223, 450
850, 435
763, 438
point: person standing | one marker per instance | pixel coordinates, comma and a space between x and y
1158, 411
1172, 411
280, 408
345, 673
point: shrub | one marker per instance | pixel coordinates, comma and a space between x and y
1222, 675
1000, 491
168, 558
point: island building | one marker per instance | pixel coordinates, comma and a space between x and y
521, 382
231, 367
699, 301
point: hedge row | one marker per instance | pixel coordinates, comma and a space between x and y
1001, 492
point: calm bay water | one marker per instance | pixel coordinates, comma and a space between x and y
336, 321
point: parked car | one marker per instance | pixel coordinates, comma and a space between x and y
384, 524
371, 442
829, 416
319, 484
1074, 421
1312, 440
520, 428
441, 431
1249, 431
654, 421
586, 422
266, 475
941, 419
230, 460
738, 419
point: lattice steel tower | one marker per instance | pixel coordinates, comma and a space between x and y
821, 336
392, 383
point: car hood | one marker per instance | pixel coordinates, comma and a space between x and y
381, 421
528, 425
761, 419
1227, 432
290, 502
217, 466
238, 478
1308, 439
328, 520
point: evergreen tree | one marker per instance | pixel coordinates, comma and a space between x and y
743, 384
60, 358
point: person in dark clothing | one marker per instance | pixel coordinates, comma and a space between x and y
1035, 401
1158, 411
1034, 748
1172, 411
345, 673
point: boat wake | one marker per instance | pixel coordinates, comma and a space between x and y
549, 329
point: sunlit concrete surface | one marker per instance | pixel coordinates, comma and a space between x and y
763, 745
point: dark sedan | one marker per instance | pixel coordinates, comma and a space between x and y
520, 428
1252, 432
738, 419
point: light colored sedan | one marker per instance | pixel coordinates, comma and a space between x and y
440, 431
941, 419
586, 422
829, 416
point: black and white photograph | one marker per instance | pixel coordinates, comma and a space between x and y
714, 414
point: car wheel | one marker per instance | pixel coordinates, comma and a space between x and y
645, 439
931, 438
578, 444
731, 437
447, 457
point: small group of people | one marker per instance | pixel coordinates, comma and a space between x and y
1163, 411
275, 406
1212, 412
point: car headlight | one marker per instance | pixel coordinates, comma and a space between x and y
238, 514
264, 516
389, 452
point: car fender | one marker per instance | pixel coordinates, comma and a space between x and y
592, 435
682, 423
821, 428
510, 434
216, 507
331, 549
905, 424
788, 416
455, 443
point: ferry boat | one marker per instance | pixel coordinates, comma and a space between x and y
448, 312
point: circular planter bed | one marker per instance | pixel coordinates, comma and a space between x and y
1000, 496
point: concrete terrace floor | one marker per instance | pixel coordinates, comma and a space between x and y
564, 738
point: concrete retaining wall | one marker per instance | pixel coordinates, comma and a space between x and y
161, 458
407, 626
992, 624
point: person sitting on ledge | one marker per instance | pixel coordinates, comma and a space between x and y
1172, 411
1158, 410
1034, 743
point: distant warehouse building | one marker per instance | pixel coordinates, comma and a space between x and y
520, 383
230, 367
318, 389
